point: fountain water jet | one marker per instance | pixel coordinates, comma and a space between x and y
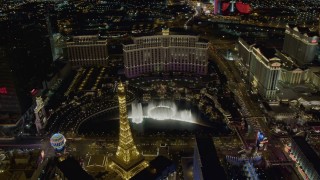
137, 113
163, 110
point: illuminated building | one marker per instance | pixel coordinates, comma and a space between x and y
87, 51
217, 6
293, 76
9, 102
307, 159
128, 161
14, 98
206, 163
309, 102
97, 162
264, 71
165, 53
243, 8
301, 44
290, 72
40, 113
235, 7
261, 141
281, 113
263, 68
315, 79
245, 50
56, 41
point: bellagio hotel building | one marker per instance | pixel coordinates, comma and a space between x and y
87, 51
165, 53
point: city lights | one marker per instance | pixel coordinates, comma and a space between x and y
159, 89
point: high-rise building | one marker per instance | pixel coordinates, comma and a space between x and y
262, 67
128, 161
245, 52
87, 51
301, 44
264, 71
307, 159
206, 163
265, 67
9, 101
56, 41
14, 100
165, 53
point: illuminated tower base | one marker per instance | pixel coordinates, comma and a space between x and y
126, 171
128, 161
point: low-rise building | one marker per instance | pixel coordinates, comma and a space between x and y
315, 79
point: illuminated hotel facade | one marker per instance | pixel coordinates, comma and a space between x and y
245, 52
165, 53
291, 72
307, 159
301, 44
264, 72
262, 68
87, 51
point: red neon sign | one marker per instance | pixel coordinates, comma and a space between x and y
3, 90
243, 7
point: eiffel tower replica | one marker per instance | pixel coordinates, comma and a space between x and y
127, 161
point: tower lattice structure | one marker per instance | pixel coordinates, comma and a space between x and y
128, 161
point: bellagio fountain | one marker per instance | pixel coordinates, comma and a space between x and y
160, 110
